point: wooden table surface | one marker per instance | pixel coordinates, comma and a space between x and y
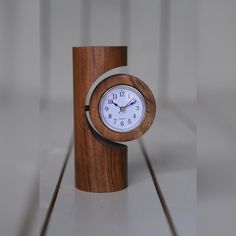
170, 147
64, 210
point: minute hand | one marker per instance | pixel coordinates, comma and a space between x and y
131, 102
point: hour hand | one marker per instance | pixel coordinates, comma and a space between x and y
115, 104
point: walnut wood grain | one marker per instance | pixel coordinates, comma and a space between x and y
100, 165
122, 79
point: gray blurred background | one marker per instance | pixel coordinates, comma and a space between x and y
161, 38
180, 48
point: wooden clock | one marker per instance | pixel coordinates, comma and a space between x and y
121, 108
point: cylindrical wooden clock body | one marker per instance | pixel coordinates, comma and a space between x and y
100, 165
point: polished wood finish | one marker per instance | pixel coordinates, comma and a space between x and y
122, 79
100, 165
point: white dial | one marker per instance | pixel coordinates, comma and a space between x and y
122, 108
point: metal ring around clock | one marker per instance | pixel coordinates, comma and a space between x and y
106, 84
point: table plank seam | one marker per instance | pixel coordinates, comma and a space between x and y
46, 221
158, 189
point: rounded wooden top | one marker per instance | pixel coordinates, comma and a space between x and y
122, 79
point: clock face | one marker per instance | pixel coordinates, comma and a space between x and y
122, 108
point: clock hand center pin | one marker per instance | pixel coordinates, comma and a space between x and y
131, 102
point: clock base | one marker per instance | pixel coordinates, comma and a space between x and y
100, 165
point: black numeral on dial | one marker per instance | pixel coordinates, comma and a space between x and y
122, 93
110, 101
